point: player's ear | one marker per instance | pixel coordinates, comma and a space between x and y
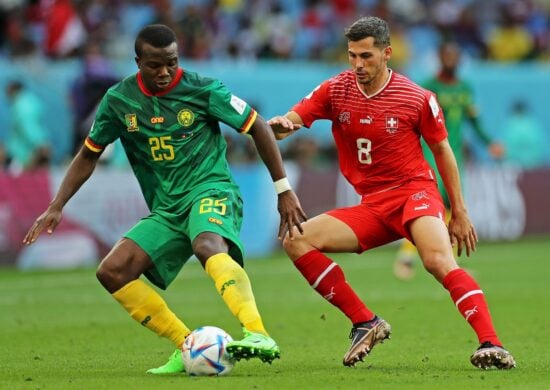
387, 53
136, 58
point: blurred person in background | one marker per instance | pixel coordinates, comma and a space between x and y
524, 137
27, 142
168, 122
378, 117
88, 89
455, 96
510, 40
65, 33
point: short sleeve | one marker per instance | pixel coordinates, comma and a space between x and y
314, 106
229, 108
432, 121
105, 128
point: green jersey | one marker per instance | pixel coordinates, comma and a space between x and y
172, 139
456, 100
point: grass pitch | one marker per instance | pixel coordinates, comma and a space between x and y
61, 330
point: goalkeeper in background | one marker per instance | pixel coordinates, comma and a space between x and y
456, 99
168, 122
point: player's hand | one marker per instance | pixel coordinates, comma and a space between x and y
48, 220
291, 213
462, 233
282, 126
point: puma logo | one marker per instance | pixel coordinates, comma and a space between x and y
225, 285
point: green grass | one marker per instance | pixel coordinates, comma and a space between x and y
61, 330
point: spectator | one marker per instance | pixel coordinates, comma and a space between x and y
27, 142
510, 41
64, 30
87, 90
524, 138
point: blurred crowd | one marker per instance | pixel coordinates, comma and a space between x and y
100, 32
500, 30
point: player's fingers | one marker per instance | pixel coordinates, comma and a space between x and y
33, 232
290, 229
474, 234
281, 232
472, 242
298, 224
459, 247
468, 245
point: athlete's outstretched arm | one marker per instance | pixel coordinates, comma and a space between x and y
79, 171
461, 229
288, 204
283, 126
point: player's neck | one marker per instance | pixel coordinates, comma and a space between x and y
377, 84
447, 77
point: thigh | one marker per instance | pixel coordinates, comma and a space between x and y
422, 199
220, 212
167, 248
431, 238
325, 233
364, 225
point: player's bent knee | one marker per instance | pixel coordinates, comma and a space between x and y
438, 264
113, 277
296, 246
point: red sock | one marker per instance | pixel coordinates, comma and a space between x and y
327, 278
470, 301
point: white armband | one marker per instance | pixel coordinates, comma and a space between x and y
282, 185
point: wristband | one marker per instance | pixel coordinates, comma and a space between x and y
282, 185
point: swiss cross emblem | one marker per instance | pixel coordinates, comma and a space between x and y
392, 124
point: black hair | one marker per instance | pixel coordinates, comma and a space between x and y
369, 26
156, 35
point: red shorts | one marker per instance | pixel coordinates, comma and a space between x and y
383, 217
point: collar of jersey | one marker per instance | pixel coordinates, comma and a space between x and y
174, 82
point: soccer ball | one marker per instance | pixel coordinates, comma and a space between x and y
204, 352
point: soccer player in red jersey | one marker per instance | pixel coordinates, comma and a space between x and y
378, 117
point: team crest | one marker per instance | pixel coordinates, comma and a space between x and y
131, 122
186, 117
420, 195
344, 117
392, 124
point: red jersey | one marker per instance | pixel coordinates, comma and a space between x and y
378, 136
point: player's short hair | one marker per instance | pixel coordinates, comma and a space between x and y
156, 35
369, 26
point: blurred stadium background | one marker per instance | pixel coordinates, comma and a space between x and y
270, 53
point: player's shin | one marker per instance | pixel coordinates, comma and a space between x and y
148, 308
328, 279
234, 287
470, 302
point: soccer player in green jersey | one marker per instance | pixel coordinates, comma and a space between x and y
168, 119
456, 99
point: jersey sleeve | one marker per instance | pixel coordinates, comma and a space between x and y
314, 106
230, 109
104, 128
432, 122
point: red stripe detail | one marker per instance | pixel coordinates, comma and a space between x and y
248, 123
93, 144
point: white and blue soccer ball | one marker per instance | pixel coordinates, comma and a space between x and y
204, 352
